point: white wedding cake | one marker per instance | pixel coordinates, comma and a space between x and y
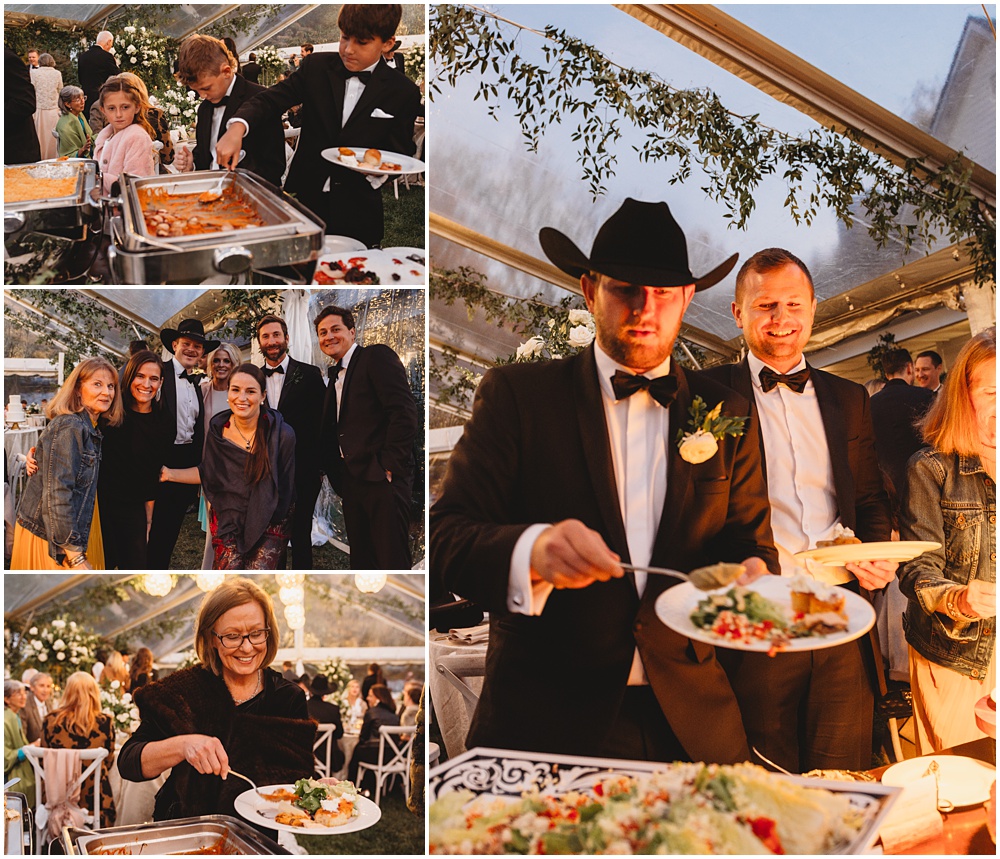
15, 409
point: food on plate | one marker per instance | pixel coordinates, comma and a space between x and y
689, 808
44, 182
169, 215
315, 804
812, 597
841, 537
373, 157
340, 272
344, 150
347, 157
716, 576
388, 165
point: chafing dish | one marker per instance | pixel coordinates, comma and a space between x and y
69, 216
18, 827
212, 833
290, 234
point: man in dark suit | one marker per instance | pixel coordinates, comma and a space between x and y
393, 58
568, 468
37, 707
251, 71
296, 390
895, 411
180, 395
814, 709
207, 66
928, 370
19, 136
349, 98
327, 714
95, 66
369, 425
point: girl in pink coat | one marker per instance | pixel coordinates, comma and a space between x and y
125, 144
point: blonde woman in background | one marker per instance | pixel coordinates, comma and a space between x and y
115, 669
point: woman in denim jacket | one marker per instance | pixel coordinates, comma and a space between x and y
950, 498
58, 526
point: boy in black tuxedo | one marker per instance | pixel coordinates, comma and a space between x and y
349, 98
207, 66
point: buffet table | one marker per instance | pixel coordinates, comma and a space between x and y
454, 665
20, 441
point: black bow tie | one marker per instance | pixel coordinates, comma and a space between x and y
270, 371
334, 370
663, 389
222, 102
189, 377
364, 77
795, 381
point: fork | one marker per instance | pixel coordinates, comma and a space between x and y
240, 775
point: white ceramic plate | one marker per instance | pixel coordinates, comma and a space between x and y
963, 781
250, 806
674, 607
391, 269
406, 163
851, 553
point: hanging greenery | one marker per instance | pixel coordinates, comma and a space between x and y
886, 343
243, 307
576, 82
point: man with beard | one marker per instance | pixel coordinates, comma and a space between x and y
295, 389
568, 468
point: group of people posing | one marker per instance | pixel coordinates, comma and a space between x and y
569, 469
120, 461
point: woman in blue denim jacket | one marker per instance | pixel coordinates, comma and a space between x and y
58, 526
950, 498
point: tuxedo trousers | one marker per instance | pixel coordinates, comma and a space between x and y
377, 519
306, 491
350, 208
172, 502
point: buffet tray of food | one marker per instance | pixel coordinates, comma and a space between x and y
18, 827
62, 195
213, 834
502, 801
184, 227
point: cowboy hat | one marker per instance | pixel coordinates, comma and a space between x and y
641, 243
321, 686
193, 330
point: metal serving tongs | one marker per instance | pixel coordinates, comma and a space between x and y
704, 578
857, 775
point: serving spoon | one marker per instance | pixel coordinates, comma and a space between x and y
213, 194
704, 578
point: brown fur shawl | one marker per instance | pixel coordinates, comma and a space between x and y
265, 745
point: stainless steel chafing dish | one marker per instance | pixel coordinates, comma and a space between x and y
69, 216
212, 833
18, 825
291, 233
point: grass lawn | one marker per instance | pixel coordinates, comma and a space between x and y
404, 218
399, 832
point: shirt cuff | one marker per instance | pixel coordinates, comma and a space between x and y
524, 596
245, 124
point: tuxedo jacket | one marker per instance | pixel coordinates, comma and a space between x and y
537, 450
378, 420
895, 410
850, 439
251, 71
168, 397
319, 88
95, 66
264, 144
32, 721
301, 405
20, 137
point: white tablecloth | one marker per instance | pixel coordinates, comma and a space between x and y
452, 711
20, 440
347, 743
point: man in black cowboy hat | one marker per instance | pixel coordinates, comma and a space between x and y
182, 408
327, 714
568, 468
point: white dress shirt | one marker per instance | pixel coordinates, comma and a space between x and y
639, 431
799, 472
187, 406
275, 382
342, 375
217, 112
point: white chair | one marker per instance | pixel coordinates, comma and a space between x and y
323, 750
37, 758
395, 746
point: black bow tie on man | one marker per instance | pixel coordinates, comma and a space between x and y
796, 382
662, 389
270, 371
346, 74
193, 378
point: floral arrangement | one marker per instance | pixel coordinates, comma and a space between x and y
189, 658
143, 51
271, 64
566, 332
701, 442
339, 675
58, 647
416, 62
179, 104
119, 705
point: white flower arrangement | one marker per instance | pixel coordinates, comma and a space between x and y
179, 103
339, 675
145, 50
271, 64
706, 428
565, 332
120, 706
60, 647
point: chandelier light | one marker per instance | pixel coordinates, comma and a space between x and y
292, 595
158, 584
369, 583
209, 581
295, 616
289, 580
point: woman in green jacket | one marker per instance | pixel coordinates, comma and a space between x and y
75, 137
15, 764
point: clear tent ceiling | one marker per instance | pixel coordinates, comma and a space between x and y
477, 156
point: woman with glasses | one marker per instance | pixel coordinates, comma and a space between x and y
231, 712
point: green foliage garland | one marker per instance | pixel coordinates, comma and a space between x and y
822, 168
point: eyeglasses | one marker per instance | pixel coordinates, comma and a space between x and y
232, 640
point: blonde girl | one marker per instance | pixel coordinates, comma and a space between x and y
125, 144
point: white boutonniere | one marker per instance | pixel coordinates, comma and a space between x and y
701, 441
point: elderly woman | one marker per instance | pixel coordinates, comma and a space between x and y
76, 138
950, 498
80, 724
231, 711
58, 525
15, 763
48, 83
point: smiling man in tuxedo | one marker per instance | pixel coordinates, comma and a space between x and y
348, 98
568, 468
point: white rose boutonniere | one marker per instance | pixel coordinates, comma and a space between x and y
700, 442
